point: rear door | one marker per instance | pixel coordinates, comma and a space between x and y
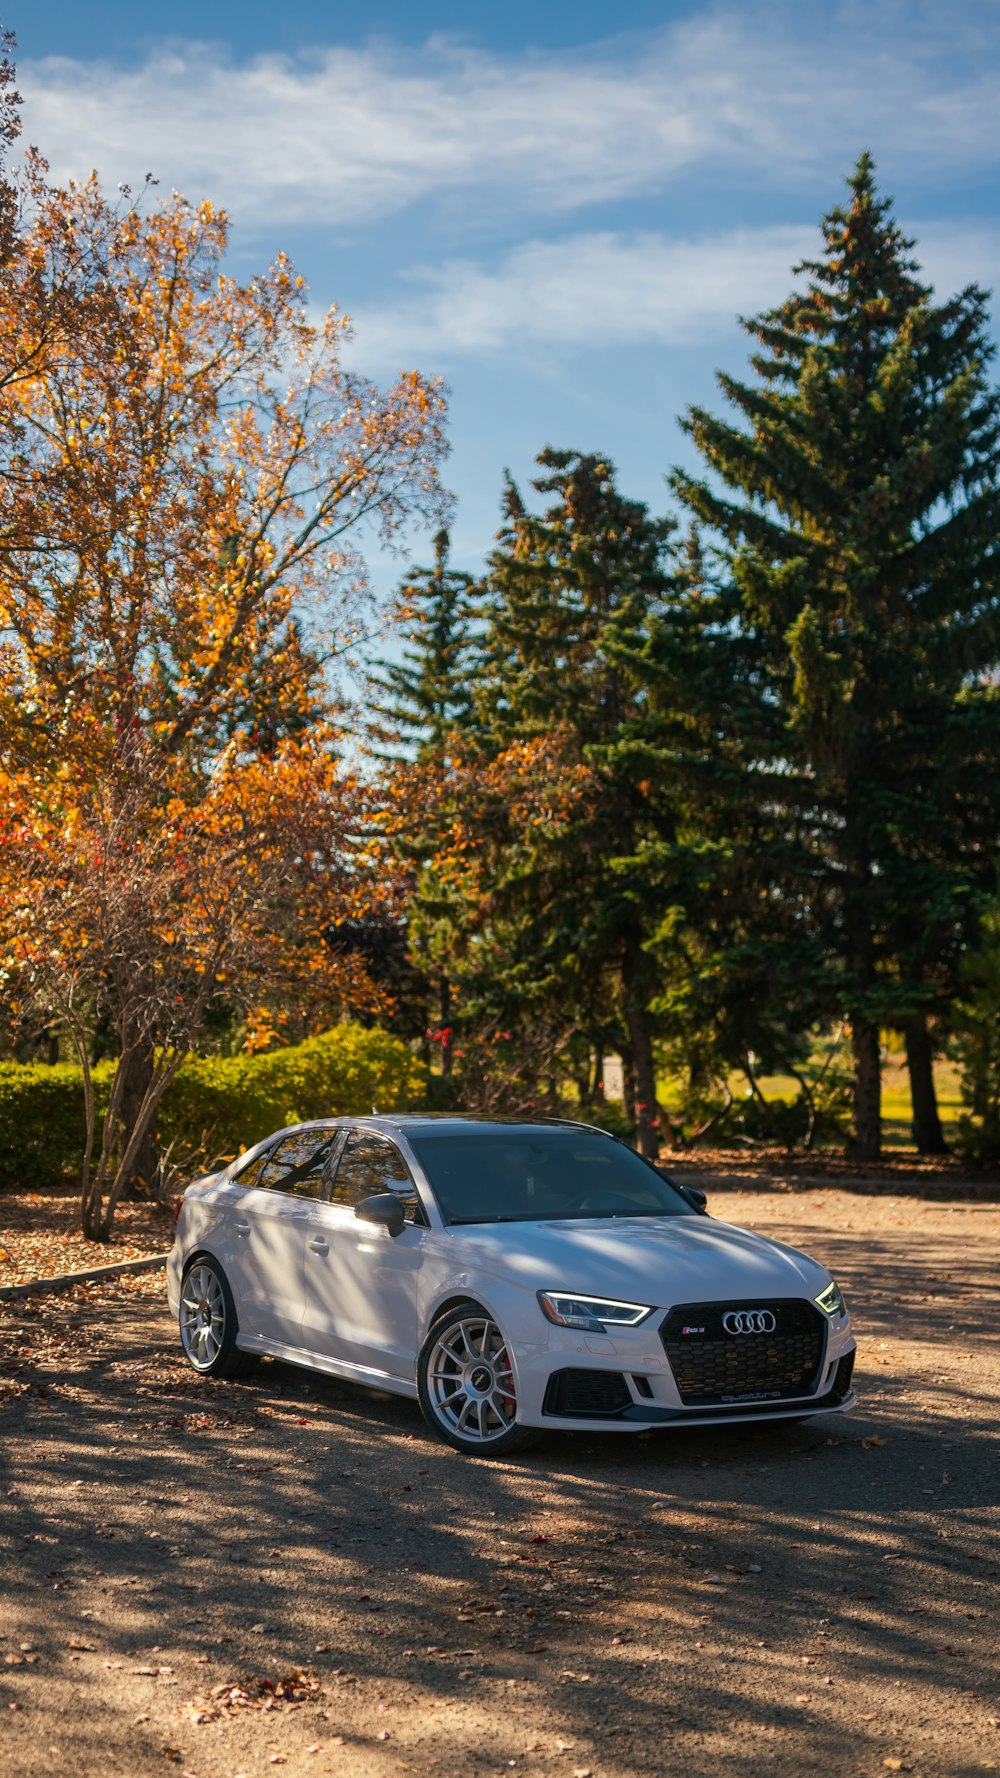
267, 1222
360, 1282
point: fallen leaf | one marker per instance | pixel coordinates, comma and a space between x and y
867, 1443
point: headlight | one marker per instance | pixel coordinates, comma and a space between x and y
831, 1301
592, 1313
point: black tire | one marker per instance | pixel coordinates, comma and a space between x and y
465, 1377
207, 1322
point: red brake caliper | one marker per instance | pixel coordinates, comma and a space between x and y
505, 1375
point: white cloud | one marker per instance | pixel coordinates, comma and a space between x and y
341, 135
954, 254
593, 290
613, 290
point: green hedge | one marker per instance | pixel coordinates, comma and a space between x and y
42, 1123
233, 1101
218, 1105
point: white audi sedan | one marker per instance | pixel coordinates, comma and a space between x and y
509, 1276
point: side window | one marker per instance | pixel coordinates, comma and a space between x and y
298, 1163
250, 1174
369, 1165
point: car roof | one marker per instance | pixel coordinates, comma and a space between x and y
448, 1122
406, 1123
438, 1120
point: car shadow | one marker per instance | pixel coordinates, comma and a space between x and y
718, 1598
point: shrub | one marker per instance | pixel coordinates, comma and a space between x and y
786, 1121
216, 1106
224, 1104
42, 1124
607, 1115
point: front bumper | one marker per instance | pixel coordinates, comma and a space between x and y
625, 1383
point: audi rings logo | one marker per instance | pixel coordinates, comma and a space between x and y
747, 1321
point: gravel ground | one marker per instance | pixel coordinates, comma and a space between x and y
220, 1579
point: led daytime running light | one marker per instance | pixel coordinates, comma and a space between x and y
830, 1301
595, 1314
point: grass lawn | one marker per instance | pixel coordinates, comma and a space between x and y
897, 1109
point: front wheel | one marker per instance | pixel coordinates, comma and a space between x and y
208, 1324
465, 1382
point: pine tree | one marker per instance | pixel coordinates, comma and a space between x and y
741, 974
559, 585
419, 702
419, 699
976, 1043
859, 519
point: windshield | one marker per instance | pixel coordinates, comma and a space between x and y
539, 1175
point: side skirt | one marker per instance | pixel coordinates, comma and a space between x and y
365, 1374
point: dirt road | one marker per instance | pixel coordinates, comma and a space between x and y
225, 1579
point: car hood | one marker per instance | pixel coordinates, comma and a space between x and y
647, 1259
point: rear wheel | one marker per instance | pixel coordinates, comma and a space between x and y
465, 1382
208, 1324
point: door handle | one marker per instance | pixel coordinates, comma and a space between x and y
318, 1245
242, 1228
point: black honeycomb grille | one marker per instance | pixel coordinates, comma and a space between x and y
713, 1366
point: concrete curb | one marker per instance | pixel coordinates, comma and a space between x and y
47, 1286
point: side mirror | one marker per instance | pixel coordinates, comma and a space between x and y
697, 1199
384, 1209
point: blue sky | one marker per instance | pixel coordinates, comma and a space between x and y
561, 208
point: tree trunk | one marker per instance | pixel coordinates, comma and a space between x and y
867, 1143
445, 1005
628, 1089
927, 1132
144, 1171
646, 1120
861, 956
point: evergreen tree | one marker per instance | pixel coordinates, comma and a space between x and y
422, 697
977, 1043
558, 586
418, 704
859, 514
741, 973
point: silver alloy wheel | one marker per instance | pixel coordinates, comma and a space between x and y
202, 1316
470, 1380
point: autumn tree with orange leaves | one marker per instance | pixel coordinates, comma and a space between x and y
184, 461
136, 897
